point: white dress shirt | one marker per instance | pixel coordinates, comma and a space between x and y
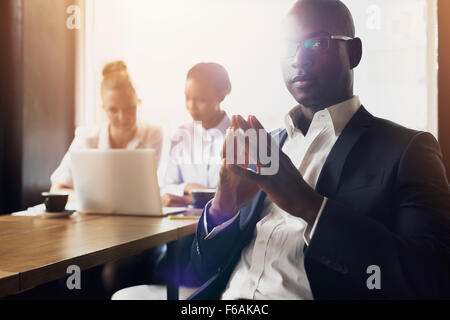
272, 264
195, 156
147, 137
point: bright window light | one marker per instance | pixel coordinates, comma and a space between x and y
161, 40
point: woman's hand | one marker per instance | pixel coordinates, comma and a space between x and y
171, 200
192, 186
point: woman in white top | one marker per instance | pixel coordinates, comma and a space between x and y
195, 152
122, 131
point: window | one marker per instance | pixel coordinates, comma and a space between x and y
161, 40
397, 78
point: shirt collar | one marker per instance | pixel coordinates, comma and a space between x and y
337, 116
222, 126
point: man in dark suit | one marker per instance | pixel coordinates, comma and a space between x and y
359, 207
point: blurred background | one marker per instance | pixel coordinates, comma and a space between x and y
53, 52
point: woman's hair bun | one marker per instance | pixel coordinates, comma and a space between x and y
115, 75
115, 66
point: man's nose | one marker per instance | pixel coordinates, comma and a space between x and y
121, 116
192, 106
301, 60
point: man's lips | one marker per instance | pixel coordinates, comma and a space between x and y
301, 82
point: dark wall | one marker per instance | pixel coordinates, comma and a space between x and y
39, 84
444, 80
49, 92
11, 102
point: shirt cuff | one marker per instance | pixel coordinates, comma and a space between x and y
308, 234
218, 228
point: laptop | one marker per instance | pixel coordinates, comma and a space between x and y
118, 182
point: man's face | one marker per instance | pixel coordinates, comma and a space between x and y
315, 79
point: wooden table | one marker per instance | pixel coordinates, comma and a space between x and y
35, 250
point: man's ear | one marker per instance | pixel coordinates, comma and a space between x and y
355, 52
222, 96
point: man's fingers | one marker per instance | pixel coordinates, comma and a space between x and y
254, 122
244, 125
265, 141
245, 149
234, 123
237, 122
245, 173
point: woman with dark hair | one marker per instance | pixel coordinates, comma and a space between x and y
195, 152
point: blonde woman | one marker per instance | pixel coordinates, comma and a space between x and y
122, 131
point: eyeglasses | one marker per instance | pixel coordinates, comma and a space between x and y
313, 45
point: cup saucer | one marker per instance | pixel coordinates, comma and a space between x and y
62, 214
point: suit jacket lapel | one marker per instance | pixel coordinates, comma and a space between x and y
329, 177
331, 172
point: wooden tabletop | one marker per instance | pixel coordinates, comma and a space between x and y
34, 250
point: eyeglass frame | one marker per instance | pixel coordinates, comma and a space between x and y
328, 36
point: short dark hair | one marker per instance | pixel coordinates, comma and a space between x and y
211, 72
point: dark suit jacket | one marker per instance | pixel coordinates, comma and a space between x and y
389, 206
